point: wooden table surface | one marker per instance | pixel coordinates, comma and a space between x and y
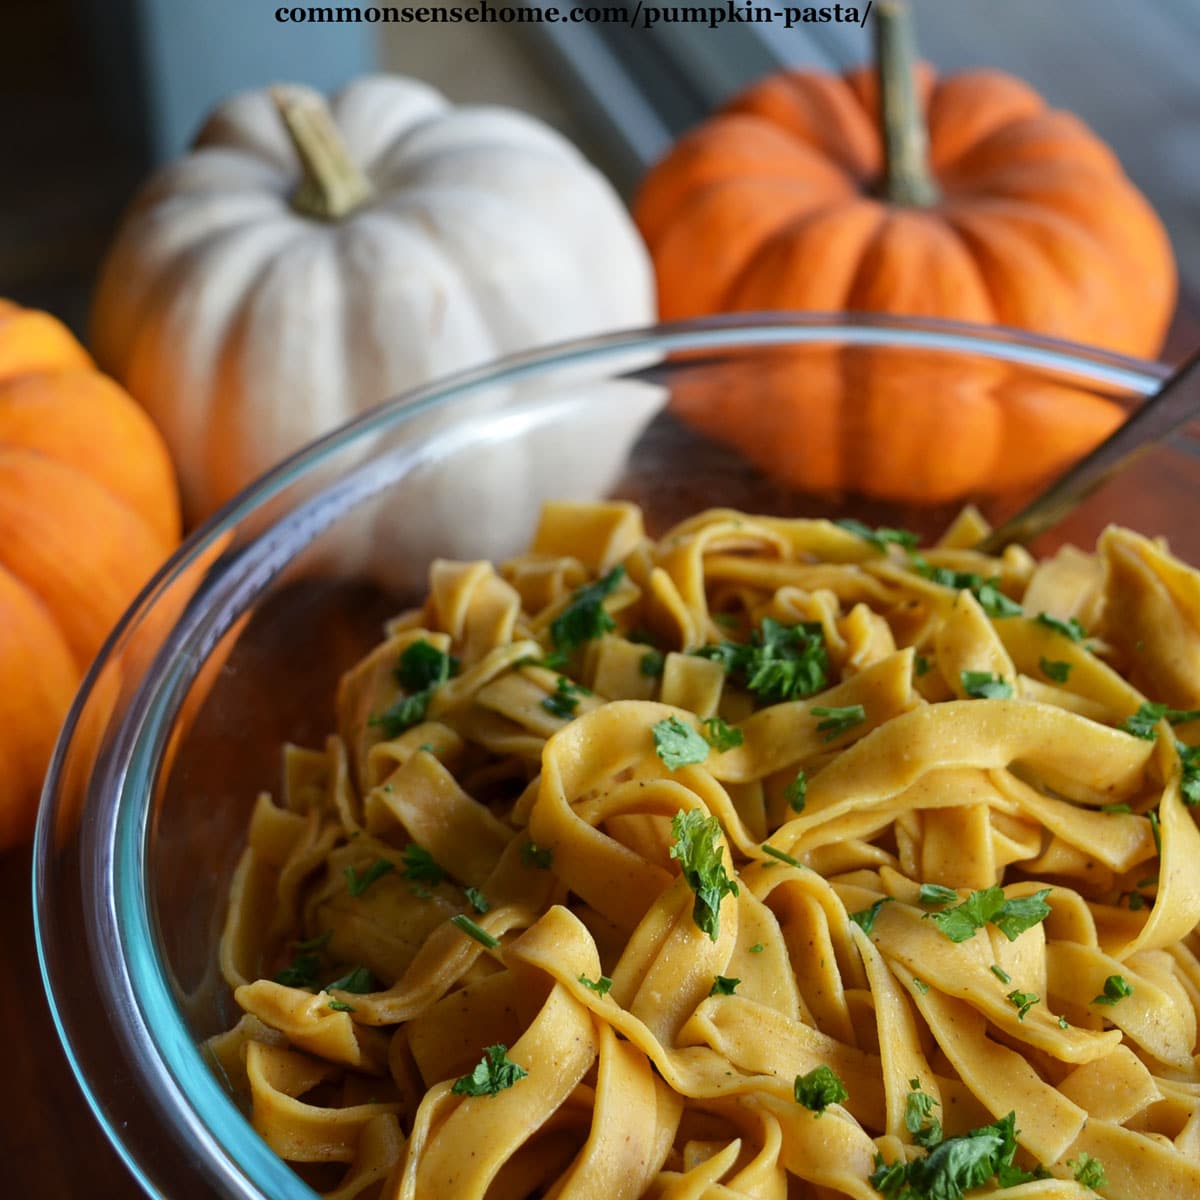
50, 1145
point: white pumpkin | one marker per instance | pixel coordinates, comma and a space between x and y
251, 303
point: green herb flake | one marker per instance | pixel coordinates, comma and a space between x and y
921, 986
301, 972
678, 744
584, 617
1116, 987
987, 591
918, 1116
1011, 916
723, 986
1070, 628
357, 884
780, 662
865, 918
423, 665
564, 700
359, 981
315, 943
463, 922
1155, 831
779, 854
495, 1073
719, 735
1063, 1023
340, 1006
697, 847
599, 986
837, 720
934, 893
652, 663
1022, 1002
1114, 809
533, 855
819, 1089
1000, 973
1189, 782
757, 948
419, 865
1136, 901
921, 665
1057, 672
1088, 1171
880, 538
796, 792
955, 1166
477, 900
403, 714
986, 685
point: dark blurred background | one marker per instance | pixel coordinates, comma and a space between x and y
95, 92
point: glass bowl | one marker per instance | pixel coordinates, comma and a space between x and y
236, 646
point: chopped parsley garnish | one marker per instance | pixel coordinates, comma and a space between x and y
356, 884
678, 744
723, 986
419, 865
719, 735
880, 538
1063, 1023
921, 665
301, 972
1113, 809
652, 663
554, 661
340, 1006
1088, 1170
865, 918
1022, 1001
565, 698
757, 948
697, 846
422, 669
779, 854
314, 943
796, 792
780, 662
475, 931
1189, 783
1155, 831
584, 617
987, 591
1144, 722
423, 665
1011, 917
934, 893
495, 1072
920, 985
1116, 987
477, 900
955, 1165
1136, 901
599, 986
819, 1089
533, 855
1070, 628
838, 720
986, 685
360, 981
1000, 973
1057, 672
918, 1116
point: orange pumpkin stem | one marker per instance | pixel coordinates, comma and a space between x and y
907, 179
333, 185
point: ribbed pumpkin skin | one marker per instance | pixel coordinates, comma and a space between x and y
88, 510
769, 205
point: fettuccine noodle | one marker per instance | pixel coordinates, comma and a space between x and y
772, 859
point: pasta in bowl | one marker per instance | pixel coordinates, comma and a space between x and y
774, 857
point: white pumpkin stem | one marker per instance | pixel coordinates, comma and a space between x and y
907, 178
333, 184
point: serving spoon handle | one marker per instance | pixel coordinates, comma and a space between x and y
1175, 403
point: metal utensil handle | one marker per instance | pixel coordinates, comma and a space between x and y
1175, 403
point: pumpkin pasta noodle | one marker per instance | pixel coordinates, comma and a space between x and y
772, 859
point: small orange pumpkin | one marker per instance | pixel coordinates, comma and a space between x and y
893, 191
88, 510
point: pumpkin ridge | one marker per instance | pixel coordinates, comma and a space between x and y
955, 106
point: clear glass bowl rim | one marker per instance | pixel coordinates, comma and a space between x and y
206, 1125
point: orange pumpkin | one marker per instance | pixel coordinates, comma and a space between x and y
966, 197
892, 191
88, 510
